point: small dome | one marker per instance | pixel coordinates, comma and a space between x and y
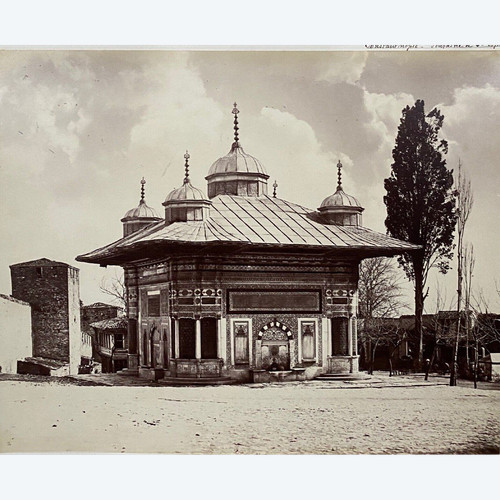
186, 203
139, 217
237, 161
185, 193
340, 208
340, 199
142, 210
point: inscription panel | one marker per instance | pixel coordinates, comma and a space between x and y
240, 301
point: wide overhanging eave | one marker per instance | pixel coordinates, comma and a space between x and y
142, 251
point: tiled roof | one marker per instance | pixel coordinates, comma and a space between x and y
96, 305
111, 324
256, 220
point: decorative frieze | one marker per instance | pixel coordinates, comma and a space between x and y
195, 300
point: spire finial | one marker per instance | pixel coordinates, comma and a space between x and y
186, 167
143, 181
339, 175
275, 185
235, 113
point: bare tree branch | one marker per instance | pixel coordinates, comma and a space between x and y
114, 286
379, 288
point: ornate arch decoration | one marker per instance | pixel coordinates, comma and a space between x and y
275, 324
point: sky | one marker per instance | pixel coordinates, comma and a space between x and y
80, 128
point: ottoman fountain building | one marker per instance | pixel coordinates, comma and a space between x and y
240, 284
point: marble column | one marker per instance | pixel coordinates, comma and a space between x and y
355, 335
349, 336
176, 336
198, 339
326, 335
220, 345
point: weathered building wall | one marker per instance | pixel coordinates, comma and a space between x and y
45, 288
15, 333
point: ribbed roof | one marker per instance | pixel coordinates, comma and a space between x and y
142, 211
261, 220
340, 199
237, 161
186, 192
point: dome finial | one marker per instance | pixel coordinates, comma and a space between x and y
339, 175
275, 185
186, 167
143, 181
235, 113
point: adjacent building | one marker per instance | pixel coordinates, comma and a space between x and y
52, 289
15, 332
241, 284
111, 343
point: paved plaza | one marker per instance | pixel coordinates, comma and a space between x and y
301, 418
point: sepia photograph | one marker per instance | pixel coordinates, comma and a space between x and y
250, 250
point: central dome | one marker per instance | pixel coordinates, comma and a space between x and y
237, 173
236, 161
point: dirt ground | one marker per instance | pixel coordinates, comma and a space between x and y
302, 418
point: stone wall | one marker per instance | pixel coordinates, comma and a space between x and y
45, 288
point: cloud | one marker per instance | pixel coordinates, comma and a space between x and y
384, 113
345, 67
304, 169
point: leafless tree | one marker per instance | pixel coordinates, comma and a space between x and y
439, 328
114, 286
379, 289
378, 332
465, 201
487, 324
380, 301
